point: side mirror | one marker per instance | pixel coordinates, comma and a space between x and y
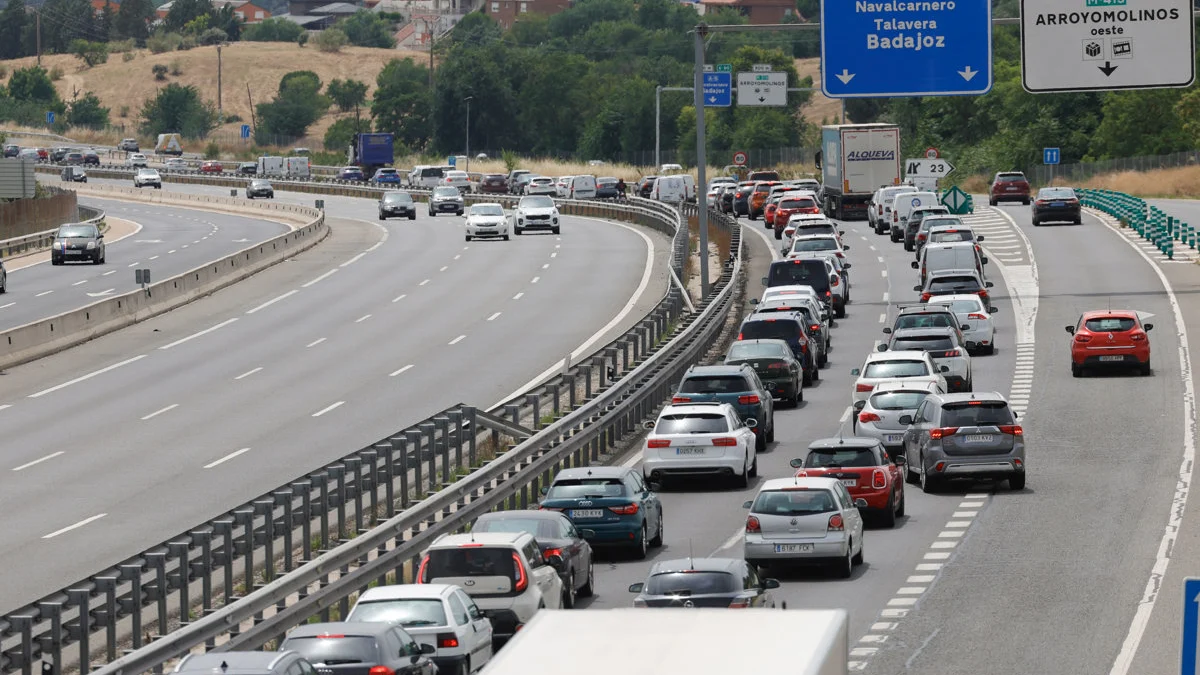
770, 584
428, 648
979, 238
887, 331
1071, 330
905, 419
545, 490
556, 562
796, 463
944, 369
764, 281
989, 284
882, 347
993, 310
983, 259
847, 265
751, 422
587, 534
917, 288
648, 425
1148, 327
915, 265
636, 588
860, 503
900, 460
754, 301
842, 232
747, 504
965, 326
845, 247
856, 372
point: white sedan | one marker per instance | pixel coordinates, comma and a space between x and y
975, 319
700, 439
486, 220
136, 159
176, 164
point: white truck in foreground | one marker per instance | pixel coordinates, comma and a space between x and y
855, 161
684, 641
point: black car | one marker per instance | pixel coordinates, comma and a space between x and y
737, 385
73, 174
606, 188
248, 169
792, 328
741, 199
807, 271
360, 648
1057, 204
556, 536
351, 173
77, 241
705, 582
777, 367
397, 203
12, 150
260, 187
646, 186
91, 157
58, 154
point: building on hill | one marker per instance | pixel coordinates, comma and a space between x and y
757, 11
248, 12
309, 7
507, 12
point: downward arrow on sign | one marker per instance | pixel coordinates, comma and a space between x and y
1108, 68
845, 76
967, 73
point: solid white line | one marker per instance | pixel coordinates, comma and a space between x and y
517, 297
248, 373
398, 298
458, 339
362, 318
423, 282
78, 525
193, 336
883, 273
323, 276
38, 461
226, 458
316, 342
730, 542
326, 409
273, 301
401, 370
353, 260
43, 293
534, 280
160, 411
493, 317
89, 376
444, 268
374, 246
80, 282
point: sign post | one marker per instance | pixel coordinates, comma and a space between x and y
939, 49
1190, 656
762, 88
1102, 45
718, 89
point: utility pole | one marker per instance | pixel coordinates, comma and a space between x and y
701, 162
253, 122
220, 114
468, 100
38, 14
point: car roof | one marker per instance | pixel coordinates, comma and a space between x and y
484, 538
813, 237
990, 396
771, 316
944, 299
765, 341
904, 332
715, 370
897, 355
950, 245
593, 472
810, 482
404, 591
925, 308
903, 385
842, 442
1111, 313
522, 513
960, 272
248, 661
487, 204
692, 408
949, 228
731, 565
353, 628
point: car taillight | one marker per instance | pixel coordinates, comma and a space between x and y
801, 474
920, 237
1083, 338
1012, 430
747, 400
835, 523
878, 479
982, 293
626, 510
949, 354
828, 294
863, 387
522, 578
681, 399
423, 570
777, 366
1041, 202
834, 283
926, 296
815, 327
447, 640
381, 670
658, 443
752, 525
868, 417
1137, 336
942, 432
739, 603
725, 442
976, 317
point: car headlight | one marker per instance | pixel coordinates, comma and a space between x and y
91, 244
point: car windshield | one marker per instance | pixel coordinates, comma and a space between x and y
581, 488
1110, 324
404, 611
887, 369
926, 320
691, 423
923, 343
715, 384
965, 305
757, 350
537, 203
397, 197
897, 400
692, 582
487, 210
1056, 193
976, 414
334, 650
965, 283
146, 172
538, 527
77, 231
794, 502
799, 273
821, 244
840, 457
445, 192
260, 183
769, 329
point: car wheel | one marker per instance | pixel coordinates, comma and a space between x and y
845, 567
506, 237
1076, 371
779, 234
771, 430
639, 546
900, 508
841, 312
1144, 369
822, 360
1036, 222
458, 213
518, 230
432, 214
799, 392
4, 283
463, 668
659, 532
928, 483
990, 349
753, 473
889, 513
910, 475
412, 216
568, 599
1077, 221
589, 587
1016, 481
760, 442
816, 373
991, 202
857, 559
807, 378
1025, 201
468, 237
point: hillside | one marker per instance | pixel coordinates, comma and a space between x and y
819, 108
121, 84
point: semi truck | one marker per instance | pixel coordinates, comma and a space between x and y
371, 152
691, 641
855, 161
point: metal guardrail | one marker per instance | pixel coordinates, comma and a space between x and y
197, 572
38, 241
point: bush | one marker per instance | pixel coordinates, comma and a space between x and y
187, 43
3, 72
160, 43
331, 40
122, 46
56, 74
128, 56
231, 118
176, 68
213, 36
124, 112
160, 72
212, 150
302, 39
273, 30
179, 109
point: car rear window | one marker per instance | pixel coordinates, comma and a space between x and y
692, 582
432, 172
804, 229
397, 197
474, 561
822, 244
954, 283
757, 350
794, 502
332, 651
897, 400
1010, 177
886, 369
840, 457
976, 414
965, 305
799, 273
710, 423
580, 488
805, 203
1110, 324
404, 611
1056, 193
922, 343
763, 188
927, 320
717, 384
770, 329
950, 235
538, 527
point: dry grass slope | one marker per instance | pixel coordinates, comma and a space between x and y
1180, 183
819, 108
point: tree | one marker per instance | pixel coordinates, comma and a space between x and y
298, 104
91, 53
133, 19
403, 104
213, 36
12, 28
86, 111
160, 71
341, 133
227, 20
32, 84
273, 30
331, 40
178, 109
106, 21
365, 28
347, 93
183, 12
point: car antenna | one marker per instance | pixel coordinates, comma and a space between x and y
691, 561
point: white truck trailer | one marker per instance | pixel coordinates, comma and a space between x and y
856, 160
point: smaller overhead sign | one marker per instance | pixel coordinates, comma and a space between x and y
927, 168
762, 89
761, 68
708, 68
1051, 156
724, 67
718, 90
740, 158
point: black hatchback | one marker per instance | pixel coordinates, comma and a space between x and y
1057, 204
809, 271
792, 328
77, 241
360, 648
705, 582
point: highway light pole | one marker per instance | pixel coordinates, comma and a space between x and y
468, 100
701, 163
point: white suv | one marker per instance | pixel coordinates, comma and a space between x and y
535, 212
136, 159
145, 177
700, 439
913, 366
504, 573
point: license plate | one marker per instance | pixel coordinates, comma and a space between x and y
1112, 358
77, 252
587, 513
979, 438
689, 451
849, 482
893, 438
1058, 203
793, 548
485, 232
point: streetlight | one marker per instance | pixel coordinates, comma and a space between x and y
468, 100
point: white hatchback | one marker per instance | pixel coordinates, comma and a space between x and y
891, 400
975, 319
486, 220
914, 365
700, 439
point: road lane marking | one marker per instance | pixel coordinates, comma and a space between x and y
405, 368
911, 590
43, 293
458, 339
546, 266
944, 544
333, 406
154, 257
318, 279
880, 258
273, 301
248, 373
902, 602
35, 462
554, 254
76, 526
134, 264
423, 282
534, 280
400, 297
883, 318
7, 305
444, 268
108, 273
518, 296
171, 251
958, 523
193, 336
89, 376
493, 317
845, 415
872, 247
362, 318
353, 260
316, 342
929, 567
886, 296
80, 282
374, 246
964, 514
883, 273
160, 411
6, 406
457, 256
226, 458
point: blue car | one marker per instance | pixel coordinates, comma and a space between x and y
611, 505
351, 173
386, 177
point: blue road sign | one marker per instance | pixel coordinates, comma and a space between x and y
1051, 156
245, 131
1190, 657
718, 90
451, 160
49, 117
871, 48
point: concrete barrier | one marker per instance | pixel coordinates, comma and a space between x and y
48, 336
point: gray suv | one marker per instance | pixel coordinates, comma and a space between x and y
964, 436
246, 663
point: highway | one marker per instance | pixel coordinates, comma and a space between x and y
168, 242
133, 438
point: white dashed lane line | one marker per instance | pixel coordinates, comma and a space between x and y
160, 411
518, 296
493, 317
328, 408
423, 282
76, 526
362, 318
400, 297
398, 372
35, 462
248, 373
316, 342
226, 458
43, 293
458, 339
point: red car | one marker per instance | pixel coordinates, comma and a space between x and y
1009, 186
791, 205
211, 167
1110, 338
864, 467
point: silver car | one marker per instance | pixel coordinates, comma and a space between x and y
975, 319
888, 402
964, 436
446, 199
944, 347
805, 520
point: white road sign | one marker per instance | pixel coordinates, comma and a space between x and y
762, 89
1095, 45
927, 168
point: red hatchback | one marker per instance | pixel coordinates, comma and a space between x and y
211, 167
1110, 338
864, 467
791, 205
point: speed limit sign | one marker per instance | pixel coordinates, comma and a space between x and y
932, 153
739, 158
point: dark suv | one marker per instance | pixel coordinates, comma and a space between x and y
493, 183
807, 271
792, 328
738, 386
1009, 186
969, 436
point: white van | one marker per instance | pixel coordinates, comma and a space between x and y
669, 189
425, 176
582, 187
903, 206
689, 184
298, 166
961, 255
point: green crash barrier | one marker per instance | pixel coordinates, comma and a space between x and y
1150, 222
